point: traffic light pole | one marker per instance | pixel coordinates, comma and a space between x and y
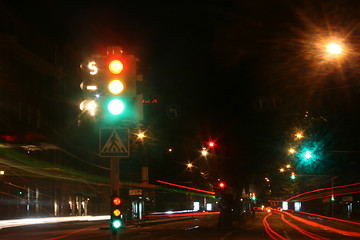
114, 188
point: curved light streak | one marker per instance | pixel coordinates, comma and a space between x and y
314, 224
309, 234
269, 231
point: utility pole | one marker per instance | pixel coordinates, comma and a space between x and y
114, 188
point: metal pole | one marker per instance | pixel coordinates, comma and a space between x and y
332, 194
114, 189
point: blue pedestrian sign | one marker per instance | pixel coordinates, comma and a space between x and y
114, 142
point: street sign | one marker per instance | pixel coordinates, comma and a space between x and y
135, 192
114, 142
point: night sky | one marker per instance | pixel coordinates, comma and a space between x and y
216, 60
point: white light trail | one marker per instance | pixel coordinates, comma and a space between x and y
33, 221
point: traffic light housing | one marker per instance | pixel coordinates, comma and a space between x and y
115, 213
120, 79
253, 196
293, 175
110, 87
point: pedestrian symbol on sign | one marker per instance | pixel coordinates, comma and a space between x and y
114, 142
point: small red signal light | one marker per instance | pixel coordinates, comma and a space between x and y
222, 185
211, 144
116, 201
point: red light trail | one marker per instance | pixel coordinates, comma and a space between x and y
331, 218
269, 231
323, 189
275, 236
309, 234
314, 224
185, 187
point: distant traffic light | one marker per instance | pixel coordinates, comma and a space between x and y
221, 185
115, 213
253, 196
211, 144
292, 175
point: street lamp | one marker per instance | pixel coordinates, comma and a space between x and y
189, 165
292, 150
204, 152
334, 48
141, 135
299, 136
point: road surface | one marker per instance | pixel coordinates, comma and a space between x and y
264, 225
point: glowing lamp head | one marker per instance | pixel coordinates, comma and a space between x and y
116, 87
116, 67
116, 107
116, 212
116, 224
222, 185
334, 48
116, 201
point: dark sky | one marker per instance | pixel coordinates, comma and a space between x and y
216, 59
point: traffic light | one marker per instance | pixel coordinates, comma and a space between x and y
253, 196
117, 84
115, 213
110, 86
211, 144
292, 175
221, 185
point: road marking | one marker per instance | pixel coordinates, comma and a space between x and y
226, 236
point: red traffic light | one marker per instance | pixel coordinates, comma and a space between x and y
116, 201
211, 144
222, 185
116, 66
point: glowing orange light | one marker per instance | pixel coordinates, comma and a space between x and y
116, 201
115, 66
117, 212
116, 86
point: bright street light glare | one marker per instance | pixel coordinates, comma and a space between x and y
334, 48
307, 155
204, 152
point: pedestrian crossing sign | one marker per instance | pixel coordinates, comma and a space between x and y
114, 142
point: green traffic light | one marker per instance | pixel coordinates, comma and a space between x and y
116, 106
116, 224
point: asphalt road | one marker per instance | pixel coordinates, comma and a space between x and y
263, 226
